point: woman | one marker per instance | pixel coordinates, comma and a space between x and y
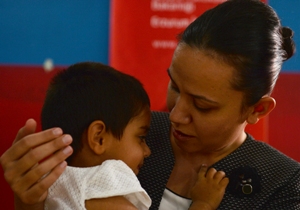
221, 76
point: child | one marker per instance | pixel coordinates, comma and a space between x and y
107, 113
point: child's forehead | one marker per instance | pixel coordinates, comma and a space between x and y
143, 116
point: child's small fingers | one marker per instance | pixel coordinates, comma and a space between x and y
219, 175
211, 173
202, 171
224, 182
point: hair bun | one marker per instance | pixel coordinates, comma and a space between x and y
287, 33
288, 44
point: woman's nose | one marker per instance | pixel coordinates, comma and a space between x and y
180, 112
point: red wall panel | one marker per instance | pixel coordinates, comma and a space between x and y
22, 92
284, 120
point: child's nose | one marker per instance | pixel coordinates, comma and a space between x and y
147, 151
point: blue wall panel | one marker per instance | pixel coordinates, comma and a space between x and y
70, 31
67, 31
289, 12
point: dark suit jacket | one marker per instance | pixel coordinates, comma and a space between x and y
275, 178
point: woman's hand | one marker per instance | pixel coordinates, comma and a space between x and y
34, 162
209, 189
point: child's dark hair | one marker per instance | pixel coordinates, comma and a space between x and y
90, 91
248, 35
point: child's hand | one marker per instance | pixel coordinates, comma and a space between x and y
209, 189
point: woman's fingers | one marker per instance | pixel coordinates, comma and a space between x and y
43, 151
41, 187
26, 143
28, 128
23, 182
31, 149
35, 160
21, 157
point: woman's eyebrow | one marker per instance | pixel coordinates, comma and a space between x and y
204, 99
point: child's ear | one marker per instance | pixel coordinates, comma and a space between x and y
261, 109
96, 133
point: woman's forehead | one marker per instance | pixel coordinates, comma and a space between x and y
199, 74
193, 65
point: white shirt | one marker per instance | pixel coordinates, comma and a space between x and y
111, 178
172, 201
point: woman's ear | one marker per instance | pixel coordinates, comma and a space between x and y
261, 109
95, 136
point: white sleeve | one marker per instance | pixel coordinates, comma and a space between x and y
66, 192
111, 178
115, 178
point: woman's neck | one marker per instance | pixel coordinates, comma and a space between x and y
196, 159
187, 165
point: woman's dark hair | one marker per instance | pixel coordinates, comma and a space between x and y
89, 91
248, 35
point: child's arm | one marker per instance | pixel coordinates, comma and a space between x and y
112, 203
209, 189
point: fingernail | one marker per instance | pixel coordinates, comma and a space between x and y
67, 139
63, 164
57, 131
67, 150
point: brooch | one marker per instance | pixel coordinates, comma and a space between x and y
244, 182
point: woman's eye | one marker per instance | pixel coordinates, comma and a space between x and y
202, 109
175, 88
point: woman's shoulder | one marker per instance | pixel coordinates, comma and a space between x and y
268, 153
267, 160
160, 116
269, 172
275, 168
160, 125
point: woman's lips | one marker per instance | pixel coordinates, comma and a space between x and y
181, 136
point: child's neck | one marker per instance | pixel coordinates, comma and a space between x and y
85, 159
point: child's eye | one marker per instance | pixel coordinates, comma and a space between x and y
142, 138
